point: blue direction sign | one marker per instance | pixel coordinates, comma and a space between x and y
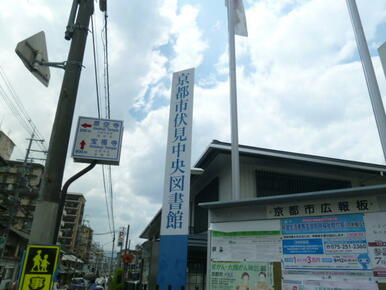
98, 139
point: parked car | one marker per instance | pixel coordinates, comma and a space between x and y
77, 284
101, 281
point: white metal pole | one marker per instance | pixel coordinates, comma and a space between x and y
372, 85
233, 104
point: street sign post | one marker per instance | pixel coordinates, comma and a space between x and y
98, 139
33, 51
39, 267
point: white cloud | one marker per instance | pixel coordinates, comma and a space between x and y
189, 46
300, 92
299, 88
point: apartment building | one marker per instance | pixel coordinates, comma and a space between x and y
71, 221
83, 242
6, 146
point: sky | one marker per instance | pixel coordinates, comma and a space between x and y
300, 83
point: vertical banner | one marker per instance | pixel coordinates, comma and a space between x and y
121, 238
175, 208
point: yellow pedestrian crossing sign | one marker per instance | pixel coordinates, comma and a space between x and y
39, 267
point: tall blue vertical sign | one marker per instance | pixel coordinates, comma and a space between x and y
175, 208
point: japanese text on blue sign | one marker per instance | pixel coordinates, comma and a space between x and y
175, 213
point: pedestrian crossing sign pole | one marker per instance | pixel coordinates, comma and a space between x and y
39, 267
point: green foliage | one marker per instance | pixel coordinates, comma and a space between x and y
116, 283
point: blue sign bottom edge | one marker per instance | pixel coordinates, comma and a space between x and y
172, 264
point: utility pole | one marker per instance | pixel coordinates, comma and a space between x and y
29, 148
24, 182
127, 238
121, 245
112, 256
27, 157
43, 228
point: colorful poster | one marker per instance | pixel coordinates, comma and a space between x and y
241, 276
253, 246
376, 238
328, 243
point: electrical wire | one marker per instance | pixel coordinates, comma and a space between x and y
111, 197
106, 171
108, 115
102, 234
18, 109
13, 110
107, 68
20, 106
107, 184
94, 45
12, 100
106, 199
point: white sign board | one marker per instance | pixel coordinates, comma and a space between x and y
175, 208
98, 139
324, 207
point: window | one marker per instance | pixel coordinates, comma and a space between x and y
196, 275
69, 219
72, 197
71, 204
209, 193
67, 234
273, 183
71, 211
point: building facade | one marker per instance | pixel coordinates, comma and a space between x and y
19, 187
263, 173
83, 243
71, 221
6, 146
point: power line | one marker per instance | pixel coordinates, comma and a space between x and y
111, 196
102, 234
107, 178
107, 69
108, 115
96, 72
107, 185
106, 199
12, 100
20, 106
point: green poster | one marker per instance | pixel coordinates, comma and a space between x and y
241, 276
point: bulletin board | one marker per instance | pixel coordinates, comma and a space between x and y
345, 251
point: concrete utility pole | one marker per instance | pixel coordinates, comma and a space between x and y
125, 264
44, 222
